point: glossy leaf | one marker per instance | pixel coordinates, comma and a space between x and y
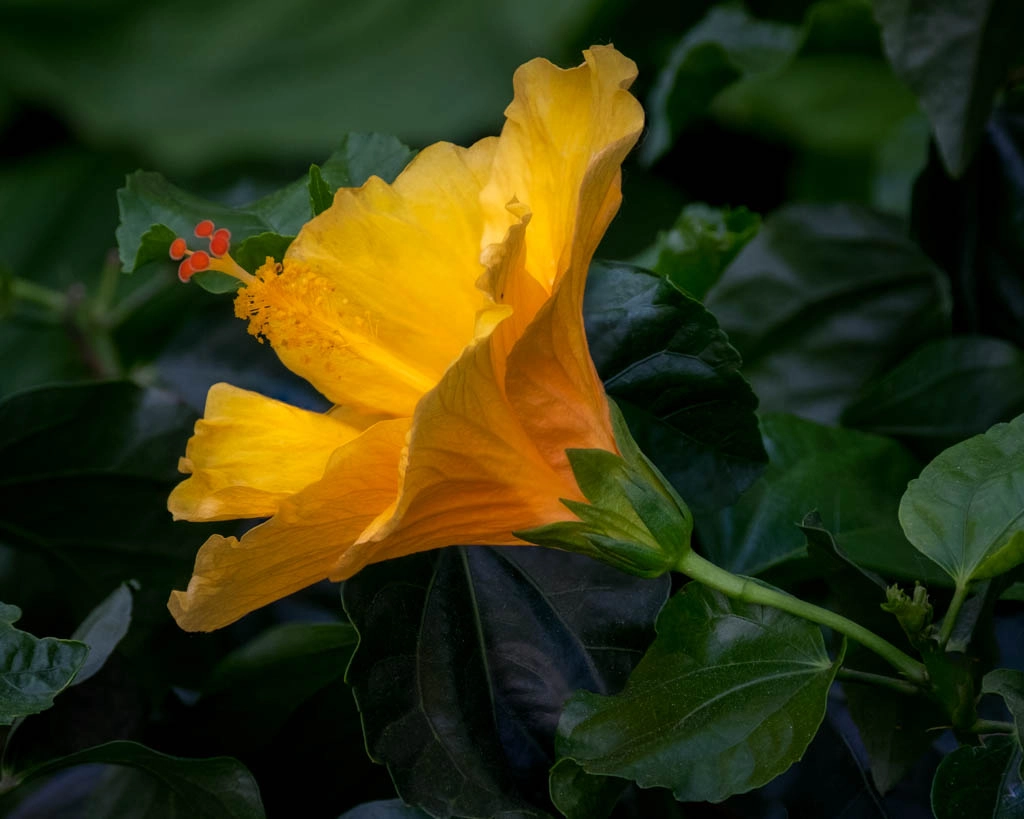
824, 299
108, 451
944, 392
32, 670
466, 656
103, 629
153, 211
168, 787
727, 698
852, 479
676, 379
727, 44
980, 782
955, 56
965, 511
700, 244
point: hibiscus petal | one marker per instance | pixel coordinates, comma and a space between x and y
249, 453
378, 294
567, 132
301, 544
472, 474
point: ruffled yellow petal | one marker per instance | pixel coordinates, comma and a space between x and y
249, 453
377, 295
566, 133
301, 544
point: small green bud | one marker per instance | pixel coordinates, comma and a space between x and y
914, 613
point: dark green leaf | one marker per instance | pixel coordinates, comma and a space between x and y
1008, 684
384, 809
965, 511
823, 300
579, 795
253, 252
727, 698
153, 211
466, 656
703, 241
258, 81
726, 45
676, 379
980, 782
159, 786
951, 676
955, 56
854, 481
896, 729
32, 670
253, 691
974, 227
108, 452
944, 392
319, 192
103, 629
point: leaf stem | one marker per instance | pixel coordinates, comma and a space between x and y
901, 686
992, 726
120, 312
752, 591
949, 621
47, 297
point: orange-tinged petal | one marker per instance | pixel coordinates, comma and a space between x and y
472, 474
300, 545
249, 453
377, 295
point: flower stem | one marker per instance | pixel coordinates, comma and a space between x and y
901, 686
949, 621
751, 591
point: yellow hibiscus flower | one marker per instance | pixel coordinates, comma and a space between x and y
442, 316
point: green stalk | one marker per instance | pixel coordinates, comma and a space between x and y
893, 684
53, 300
992, 726
949, 621
750, 591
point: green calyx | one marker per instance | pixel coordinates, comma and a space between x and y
633, 519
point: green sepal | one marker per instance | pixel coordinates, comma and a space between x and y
634, 519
